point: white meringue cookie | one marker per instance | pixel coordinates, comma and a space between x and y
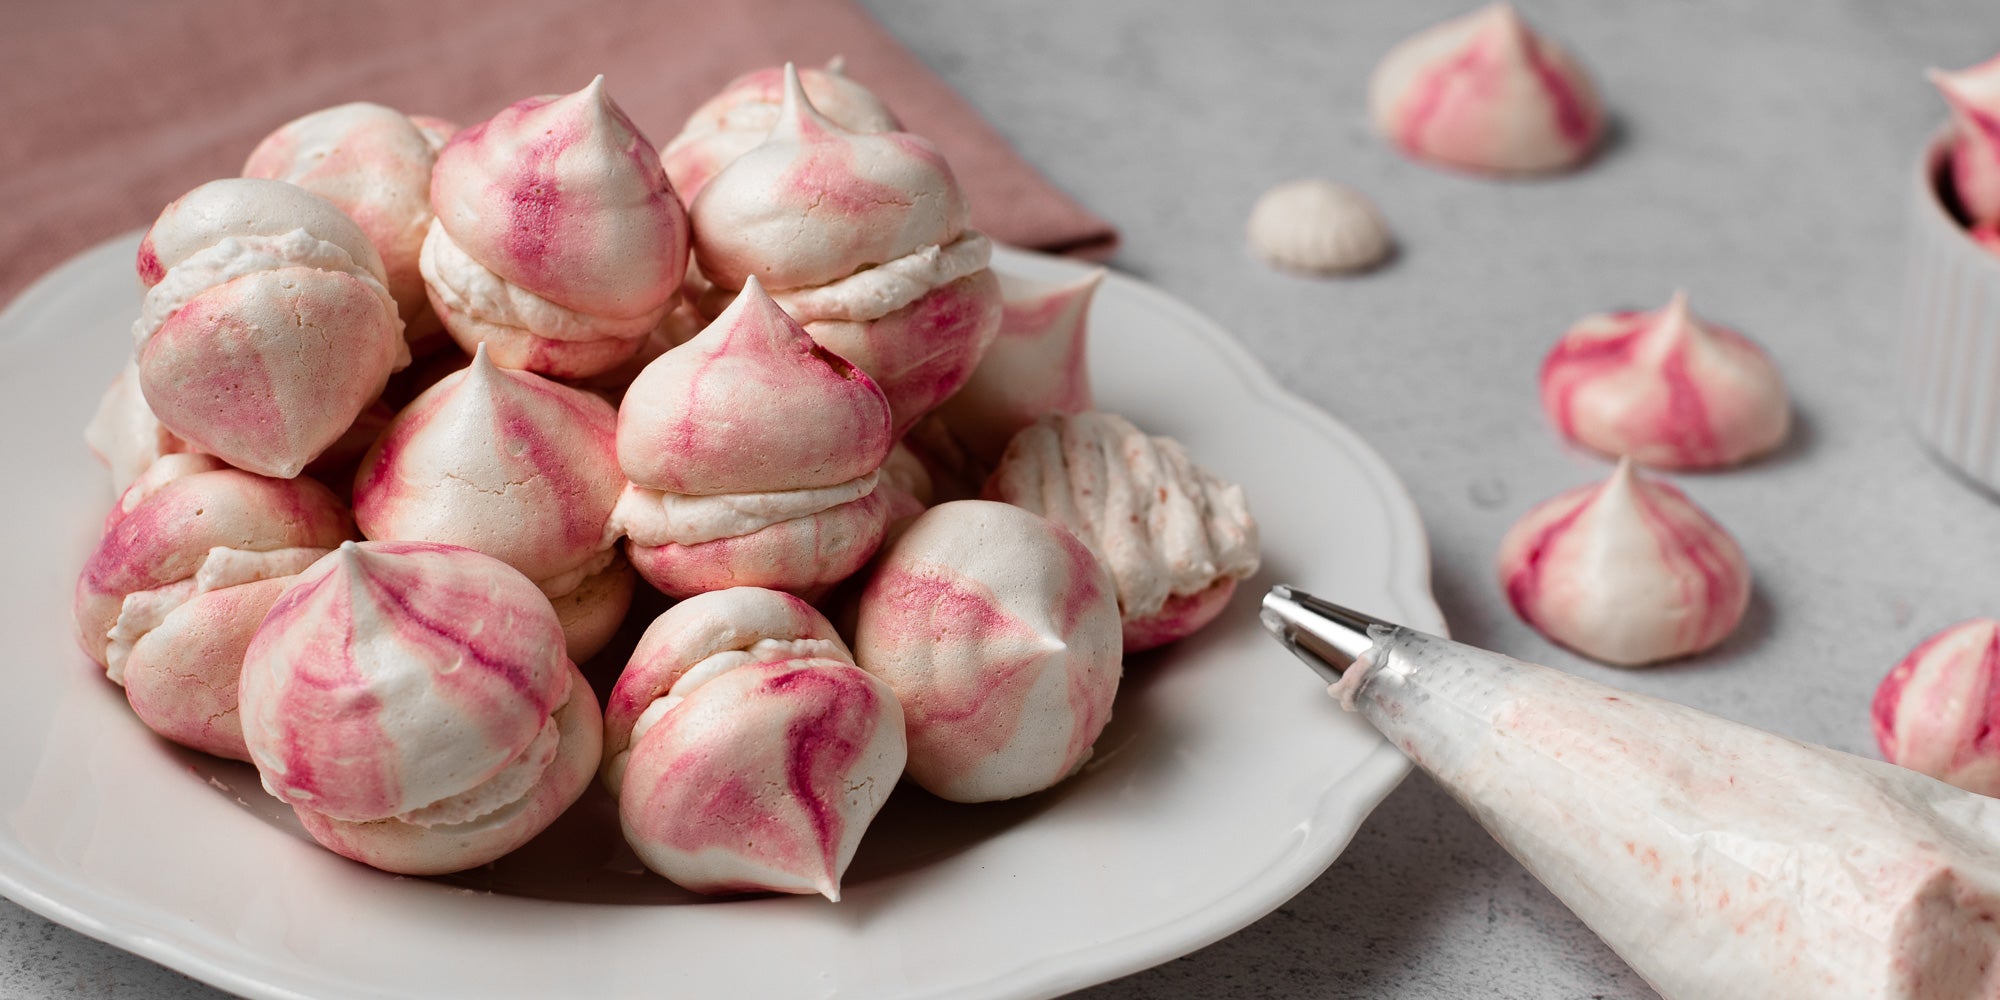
1665, 389
1037, 364
1974, 96
746, 749
1937, 710
1318, 227
1485, 92
998, 632
734, 121
123, 432
1628, 571
1175, 537
412, 702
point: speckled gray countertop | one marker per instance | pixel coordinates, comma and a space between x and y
1761, 159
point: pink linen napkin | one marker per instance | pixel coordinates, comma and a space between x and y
111, 109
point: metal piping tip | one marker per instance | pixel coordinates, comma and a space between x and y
1328, 637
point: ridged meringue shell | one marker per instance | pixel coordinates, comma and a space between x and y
998, 632
1974, 97
510, 464
735, 120
558, 239
746, 749
412, 702
1665, 389
1938, 710
1484, 92
1174, 536
1628, 571
1318, 227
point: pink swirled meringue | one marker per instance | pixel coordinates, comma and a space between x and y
753, 454
266, 327
746, 749
518, 467
1175, 537
1628, 571
1974, 97
1938, 710
168, 601
374, 163
412, 703
1665, 389
998, 631
865, 240
1485, 92
558, 241
123, 432
734, 121
1037, 364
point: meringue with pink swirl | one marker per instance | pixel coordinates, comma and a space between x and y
516, 466
1175, 537
266, 326
865, 240
1974, 97
1484, 92
1666, 389
1037, 364
373, 163
1627, 572
558, 241
1938, 710
998, 631
735, 120
412, 703
123, 432
192, 557
753, 455
746, 750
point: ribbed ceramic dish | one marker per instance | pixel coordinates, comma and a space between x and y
1226, 782
1951, 332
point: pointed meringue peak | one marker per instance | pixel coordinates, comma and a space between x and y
798, 120
751, 404
1485, 92
1975, 88
1627, 572
1666, 389
1937, 708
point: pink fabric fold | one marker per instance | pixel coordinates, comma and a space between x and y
111, 109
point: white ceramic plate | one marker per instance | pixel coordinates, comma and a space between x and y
1224, 785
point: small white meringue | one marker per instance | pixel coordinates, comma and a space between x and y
1318, 227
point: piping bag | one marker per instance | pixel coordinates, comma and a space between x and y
1716, 859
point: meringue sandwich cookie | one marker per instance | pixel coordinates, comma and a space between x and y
518, 467
266, 326
746, 749
1974, 96
168, 601
412, 703
558, 241
754, 455
865, 240
998, 631
374, 163
1627, 572
1666, 389
1937, 709
123, 432
1174, 537
1318, 227
1484, 92
1037, 364
734, 121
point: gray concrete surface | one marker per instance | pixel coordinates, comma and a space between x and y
1761, 160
